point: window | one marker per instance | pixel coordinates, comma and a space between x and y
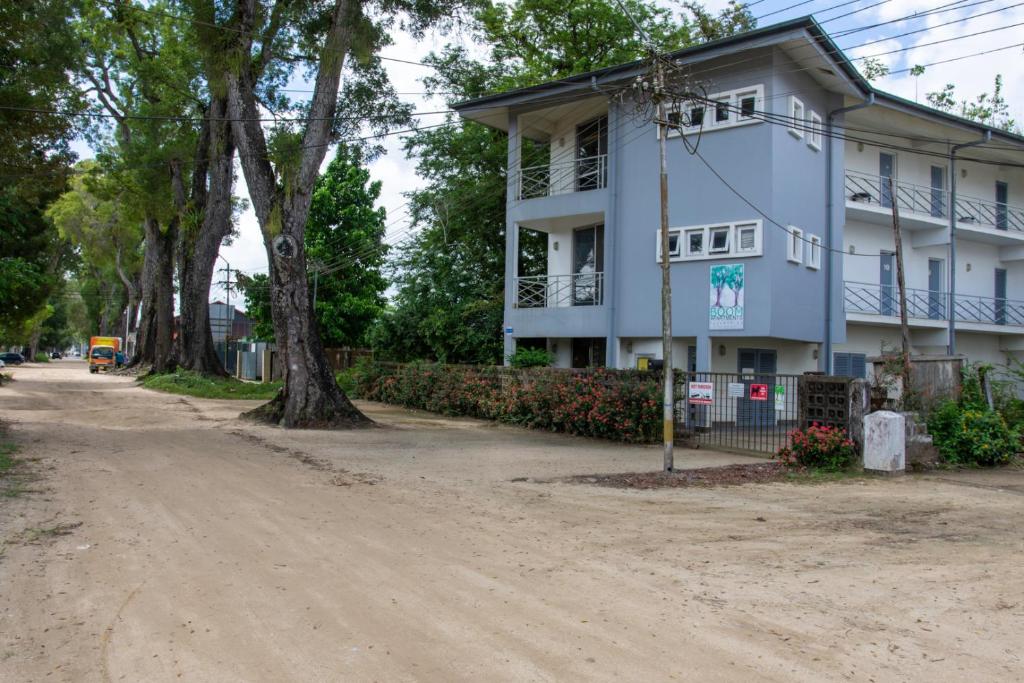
746, 238
724, 110
795, 245
814, 257
696, 117
673, 244
694, 242
814, 132
796, 117
849, 365
720, 240
704, 242
748, 104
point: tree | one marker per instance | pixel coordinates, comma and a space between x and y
874, 68
989, 109
450, 278
250, 53
256, 290
345, 238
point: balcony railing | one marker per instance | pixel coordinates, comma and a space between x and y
551, 291
574, 175
874, 190
875, 299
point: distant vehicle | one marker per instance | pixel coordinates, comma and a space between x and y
103, 353
2, 365
12, 358
55, 355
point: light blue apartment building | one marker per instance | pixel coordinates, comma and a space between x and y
785, 263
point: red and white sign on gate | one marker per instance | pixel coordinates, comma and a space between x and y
758, 392
700, 393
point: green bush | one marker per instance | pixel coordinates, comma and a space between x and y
42, 357
818, 447
972, 435
531, 358
622, 405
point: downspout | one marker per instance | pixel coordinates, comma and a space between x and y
951, 346
829, 222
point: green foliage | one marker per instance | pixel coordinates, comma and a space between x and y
345, 237
989, 109
30, 253
818, 447
621, 405
42, 357
966, 434
874, 68
531, 358
203, 386
256, 290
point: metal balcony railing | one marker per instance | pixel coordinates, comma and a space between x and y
875, 299
551, 291
574, 175
874, 190
863, 297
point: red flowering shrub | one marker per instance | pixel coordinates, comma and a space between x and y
826, 448
622, 405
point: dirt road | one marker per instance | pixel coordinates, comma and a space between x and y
170, 541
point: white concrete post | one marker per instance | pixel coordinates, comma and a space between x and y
885, 442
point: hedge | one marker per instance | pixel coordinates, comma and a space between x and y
622, 405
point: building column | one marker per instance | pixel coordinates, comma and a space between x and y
511, 237
704, 353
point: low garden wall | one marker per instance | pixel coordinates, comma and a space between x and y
622, 405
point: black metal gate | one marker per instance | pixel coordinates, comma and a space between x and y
742, 411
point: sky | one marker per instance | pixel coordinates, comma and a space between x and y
996, 20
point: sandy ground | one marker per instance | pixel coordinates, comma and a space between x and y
201, 548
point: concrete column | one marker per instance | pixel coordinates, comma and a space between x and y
511, 234
703, 353
611, 237
885, 442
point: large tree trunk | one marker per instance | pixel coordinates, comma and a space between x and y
310, 396
198, 247
155, 346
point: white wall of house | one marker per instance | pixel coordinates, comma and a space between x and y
561, 347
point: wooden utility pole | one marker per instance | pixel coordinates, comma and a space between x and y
901, 283
666, 282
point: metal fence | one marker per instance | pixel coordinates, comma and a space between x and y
573, 175
743, 412
932, 201
550, 291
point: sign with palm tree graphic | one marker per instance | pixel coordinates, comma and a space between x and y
726, 312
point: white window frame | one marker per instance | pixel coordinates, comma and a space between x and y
727, 229
738, 248
732, 241
732, 99
703, 243
796, 117
814, 132
794, 244
814, 252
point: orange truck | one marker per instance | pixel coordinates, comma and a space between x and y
103, 353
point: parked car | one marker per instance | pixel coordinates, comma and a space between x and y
2, 365
55, 355
12, 358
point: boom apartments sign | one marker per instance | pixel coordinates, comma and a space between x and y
726, 297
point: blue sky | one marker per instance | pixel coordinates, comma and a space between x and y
971, 76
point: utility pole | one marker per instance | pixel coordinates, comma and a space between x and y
229, 312
901, 283
668, 375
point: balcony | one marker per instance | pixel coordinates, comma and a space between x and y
574, 175
869, 198
924, 305
558, 291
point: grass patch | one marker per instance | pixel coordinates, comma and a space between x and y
7, 461
193, 384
